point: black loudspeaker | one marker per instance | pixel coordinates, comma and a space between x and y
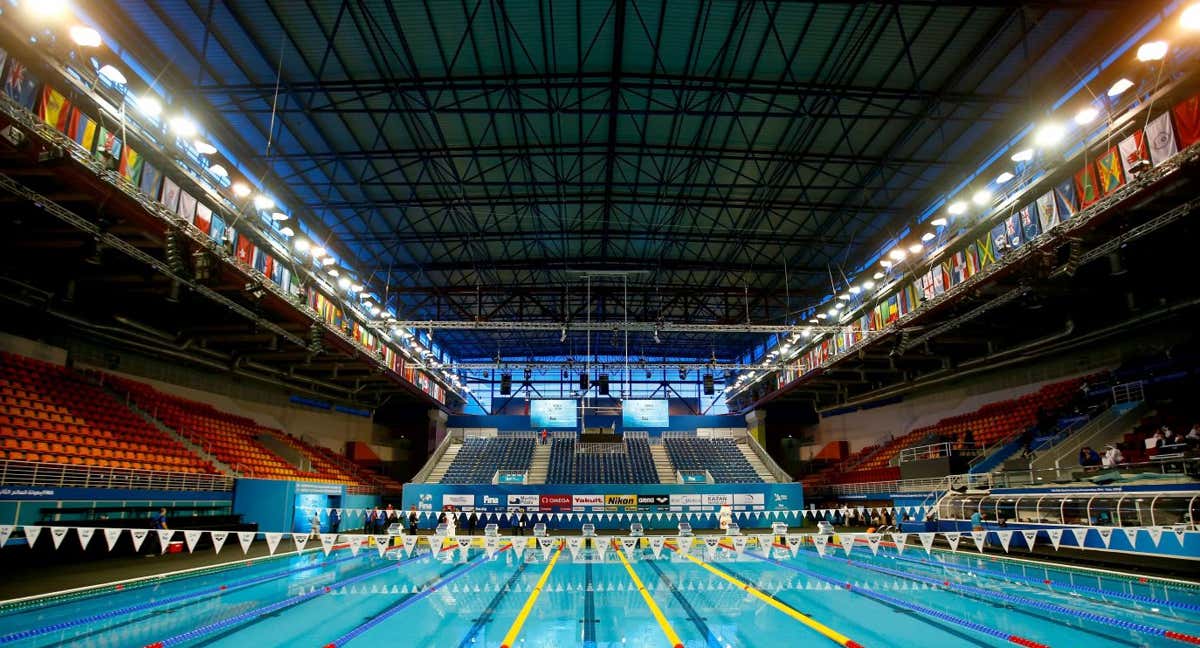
602, 384
505, 384
583, 382
708, 385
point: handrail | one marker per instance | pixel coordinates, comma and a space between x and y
30, 473
778, 473
423, 476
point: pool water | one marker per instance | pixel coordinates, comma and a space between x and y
599, 599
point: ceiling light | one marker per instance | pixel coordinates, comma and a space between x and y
896, 254
1152, 51
149, 105
832, 312
113, 74
204, 148
218, 171
287, 231
328, 261
938, 222
981, 197
88, 37
821, 316
344, 283
927, 236
376, 311
1023, 155
1190, 18
301, 245
845, 296
318, 252
915, 248
868, 284
812, 321
1087, 115
183, 127
839, 306
263, 202
885, 263
240, 189
877, 275
333, 272
854, 290
957, 208
356, 288
279, 216
806, 333
48, 8
1004, 177
1049, 135
1120, 87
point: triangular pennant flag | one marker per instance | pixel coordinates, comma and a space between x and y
739, 544
272, 541
656, 545
953, 537
138, 536
1055, 537
547, 545
1005, 539
765, 542
57, 534
1130, 535
899, 539
6, 531
710, 546
464, 548
1180, 531
382, 543
1155, 534
847, 542
218, 540
1105, 535
356, 543
490, 545
1080, 534
873, 542
685, 544
410, 544
1030, 536
85, 536
927, 540
629, 545
164, 539
575, 544
111, 536
300, 540
820, 540
793, 543
327, 542
244, 539
980, 539
190, 537
519, 546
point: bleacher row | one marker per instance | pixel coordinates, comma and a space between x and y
53, 414
479, 459
720, 457
632, 464
988, 425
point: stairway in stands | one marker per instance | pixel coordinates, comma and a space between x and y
443, 464
662, 464
194, 446
756, 463
540, 464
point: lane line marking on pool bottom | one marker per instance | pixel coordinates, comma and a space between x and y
905, 605
1030, 603
511, 636
672, 637
821, 628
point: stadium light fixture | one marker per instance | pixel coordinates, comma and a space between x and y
896, 254
149, 105
806, 333
1120, 87
981, 197
85, 36
844, 296
263, 202
1190, 18
821, 315
344, 283
332, 272
48, 8
915, 248
938, 222
1152, 51
832, 312
240, 189
327, 261
838, 306
854, 290
113, 74
356, 288
301, 245
1024, 155
957, 208
287, 231
813, 320
218, 171
885, 263
318, 253
927, 237
279, 216
1049, 135
877, 276
183, 127
1004, 177
1087, 115
868, 284
204, 148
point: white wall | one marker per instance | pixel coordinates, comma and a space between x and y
31, 349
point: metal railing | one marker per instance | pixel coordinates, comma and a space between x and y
28, 473
778, 473
431, 463
1130, 392
934, 451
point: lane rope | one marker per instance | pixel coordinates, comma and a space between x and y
672, 637
511, 636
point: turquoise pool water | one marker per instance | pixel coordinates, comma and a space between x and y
452, 600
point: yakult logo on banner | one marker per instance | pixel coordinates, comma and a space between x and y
555, 501
522, 500
458, 499
718, 499
587, 500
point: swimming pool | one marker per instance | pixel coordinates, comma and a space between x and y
608, 596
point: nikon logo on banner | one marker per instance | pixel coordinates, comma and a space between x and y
613, 501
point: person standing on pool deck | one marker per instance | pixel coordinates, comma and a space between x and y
413, 518
335, 520
976, 521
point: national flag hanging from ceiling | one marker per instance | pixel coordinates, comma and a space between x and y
151, 179
1029, 222
1086, 187
245, 249
1187, 121
82, 130
20, 85
1012, 230
947, 268
107, 142
927, 290
55, 109
218, 228
1047, 211
893, 309
170, 195
1109, 171
1134, 153
1161, 137
259, 259
1066, 200
973, 267
999, 238
131, 164
203, 221
187, 206
987, 253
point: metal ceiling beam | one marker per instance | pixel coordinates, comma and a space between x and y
647, 327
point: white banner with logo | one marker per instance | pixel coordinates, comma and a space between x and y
111, 536
190, 537
656, 545
85, 536
218, 540
927, 540
245, 538
899, 539
272, 541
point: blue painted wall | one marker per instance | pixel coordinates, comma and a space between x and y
21, 505
509, 422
